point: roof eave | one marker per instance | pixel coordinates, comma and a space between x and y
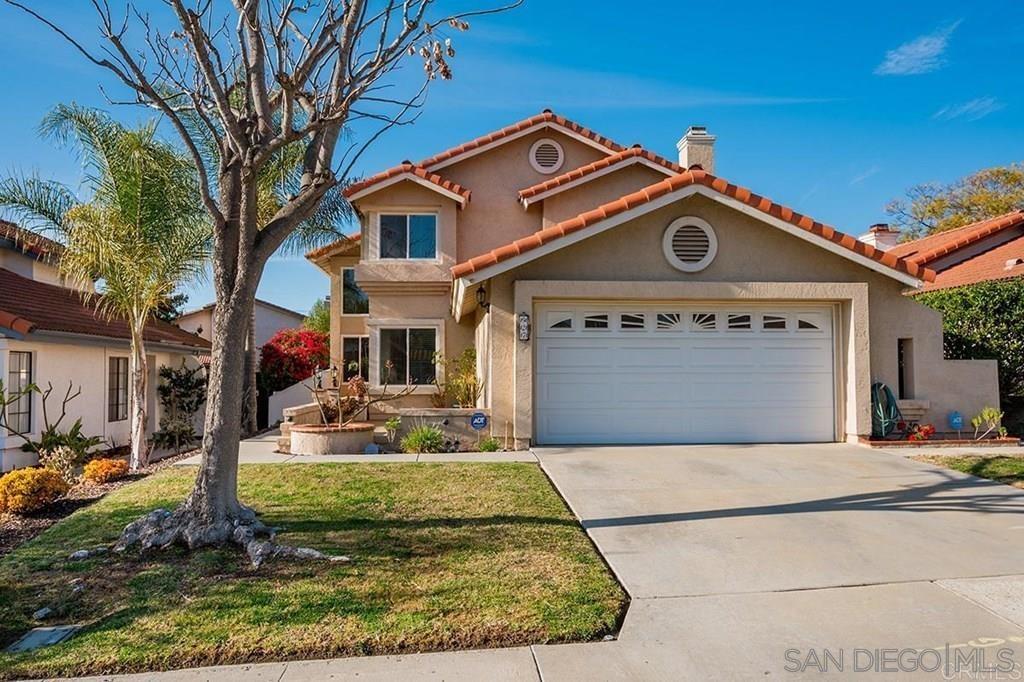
573, 237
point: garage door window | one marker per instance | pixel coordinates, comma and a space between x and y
634, 321
704, 322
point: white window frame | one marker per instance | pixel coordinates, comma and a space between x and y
374, 328
352, 268
368, 353
32, 379
375, 246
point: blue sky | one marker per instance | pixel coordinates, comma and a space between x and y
832, 110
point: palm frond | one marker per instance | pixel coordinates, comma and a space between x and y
39, 204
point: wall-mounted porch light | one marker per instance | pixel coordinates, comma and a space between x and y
524, 326
481, 299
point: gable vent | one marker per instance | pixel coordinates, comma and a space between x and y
689, 244
546, 156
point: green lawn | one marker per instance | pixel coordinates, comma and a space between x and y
1009, 470
445, 556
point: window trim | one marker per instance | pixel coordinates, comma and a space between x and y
374, 328
112, 419
360, 361
31, 412
407, 212
367, 313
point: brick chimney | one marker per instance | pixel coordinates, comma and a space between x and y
697, 148
881, 236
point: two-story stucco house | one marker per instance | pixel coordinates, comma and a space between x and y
614, 296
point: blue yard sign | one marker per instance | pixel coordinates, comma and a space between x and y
478, 421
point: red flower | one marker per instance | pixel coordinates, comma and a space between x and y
291, 355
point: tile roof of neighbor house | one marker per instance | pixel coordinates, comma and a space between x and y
30, 242
407, 167
693, 176
1003, 261
28, 306
932, 247
625, 156
337, 247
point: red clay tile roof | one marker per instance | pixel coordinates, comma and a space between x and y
546, 116
338, 246
927, 249
688, 178
30, 242
28, 306
414, 169
987, 266
600, 164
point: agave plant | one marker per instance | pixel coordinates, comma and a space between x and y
140, 231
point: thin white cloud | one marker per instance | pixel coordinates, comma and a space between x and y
502, 84
921, 55
972, 110
861, 177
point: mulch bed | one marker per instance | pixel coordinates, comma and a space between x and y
16, 529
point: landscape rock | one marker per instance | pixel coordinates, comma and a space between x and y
42, 613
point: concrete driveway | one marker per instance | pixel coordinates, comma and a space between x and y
734, 554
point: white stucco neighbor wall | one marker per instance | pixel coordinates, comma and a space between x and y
269, 320
84, 364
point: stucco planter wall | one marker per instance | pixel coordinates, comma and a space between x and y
320, 439
453, 422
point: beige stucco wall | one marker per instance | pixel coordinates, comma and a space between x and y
572, 202
753, 253
494, 217
86, 365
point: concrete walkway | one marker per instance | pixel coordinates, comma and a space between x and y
735, 555
263, 450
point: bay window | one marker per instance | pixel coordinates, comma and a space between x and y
407, 356
355, 357
408, 236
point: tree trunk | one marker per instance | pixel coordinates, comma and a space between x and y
250, 405
137, 371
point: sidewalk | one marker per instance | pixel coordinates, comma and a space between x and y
261, 450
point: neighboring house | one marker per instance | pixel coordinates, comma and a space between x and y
270, 319
51, 335
614, 296
980, 252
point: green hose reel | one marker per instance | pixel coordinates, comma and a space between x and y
885, 413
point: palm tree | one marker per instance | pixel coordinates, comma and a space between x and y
140, 234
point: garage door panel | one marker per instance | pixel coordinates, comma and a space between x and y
681, 384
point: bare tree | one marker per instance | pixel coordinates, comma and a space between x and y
245, 85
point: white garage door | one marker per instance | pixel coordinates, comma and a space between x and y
684, 374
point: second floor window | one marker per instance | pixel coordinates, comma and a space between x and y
353, 299
408, 236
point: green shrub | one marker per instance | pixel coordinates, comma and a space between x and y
23, 491
490, 444
426, 438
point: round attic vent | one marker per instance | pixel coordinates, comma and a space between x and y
546, 156
689, 244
